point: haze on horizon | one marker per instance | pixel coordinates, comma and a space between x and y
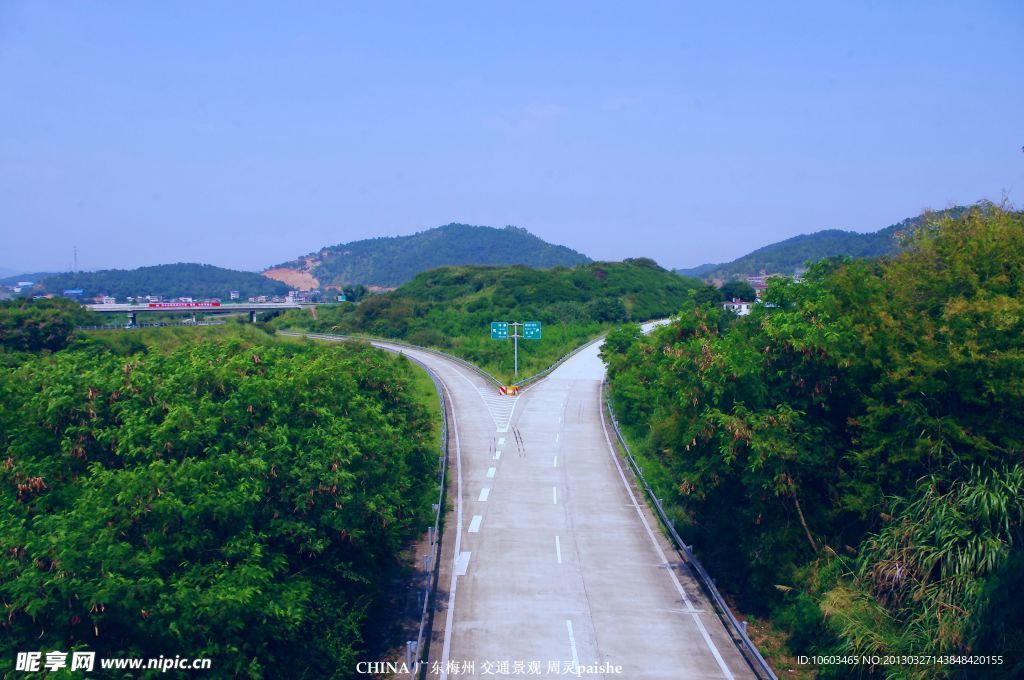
244, 136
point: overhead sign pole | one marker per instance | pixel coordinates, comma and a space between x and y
515, 342
531, 331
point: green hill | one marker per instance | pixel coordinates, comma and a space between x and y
451, 308
786, 256
167, 280
391, 261
15, 278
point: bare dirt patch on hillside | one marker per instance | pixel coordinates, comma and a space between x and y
293, 277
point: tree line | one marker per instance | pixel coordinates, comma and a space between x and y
165, 280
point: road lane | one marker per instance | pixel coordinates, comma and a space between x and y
556, 558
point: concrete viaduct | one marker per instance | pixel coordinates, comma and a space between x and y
133, 310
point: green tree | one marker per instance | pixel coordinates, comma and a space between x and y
737, 290
34, 325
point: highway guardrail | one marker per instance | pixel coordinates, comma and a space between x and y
739, 628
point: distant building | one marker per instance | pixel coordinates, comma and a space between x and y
233, 295
73, 293
108, 300
758, 283
738, 307
302, 295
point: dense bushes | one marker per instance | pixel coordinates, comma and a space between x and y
239, 500
35, 325
855, 443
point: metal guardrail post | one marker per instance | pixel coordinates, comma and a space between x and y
432, 560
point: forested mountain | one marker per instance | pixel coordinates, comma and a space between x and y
210, 493
847, 459
391, 261
451, 308
786, 256
167, 280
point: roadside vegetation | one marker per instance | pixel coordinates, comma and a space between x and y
209, 492
847, 459
451, 308
28, 326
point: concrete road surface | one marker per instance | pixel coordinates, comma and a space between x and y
551, 560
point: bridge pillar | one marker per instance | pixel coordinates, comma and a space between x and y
252, 316
132, 319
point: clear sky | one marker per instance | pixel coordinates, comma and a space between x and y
247, 133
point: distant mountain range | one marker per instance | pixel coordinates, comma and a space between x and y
785, 257
166, 280
388, 262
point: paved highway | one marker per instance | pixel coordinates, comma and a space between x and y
550, 558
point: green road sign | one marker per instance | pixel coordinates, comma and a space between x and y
499, 330
531, 330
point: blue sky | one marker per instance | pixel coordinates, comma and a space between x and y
245, 134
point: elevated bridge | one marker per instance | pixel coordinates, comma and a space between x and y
133, 310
